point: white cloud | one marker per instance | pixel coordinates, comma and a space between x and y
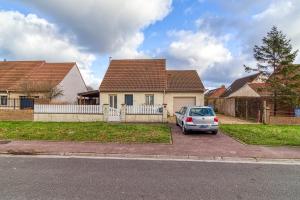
112, 27
28, 37
198, 49
278, 10
284, 14
130, 48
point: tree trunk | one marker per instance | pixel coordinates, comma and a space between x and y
275, 103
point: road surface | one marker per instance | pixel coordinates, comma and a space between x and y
79, 178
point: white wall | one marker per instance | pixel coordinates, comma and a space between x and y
71, 85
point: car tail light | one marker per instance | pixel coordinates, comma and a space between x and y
216, 119
189, 119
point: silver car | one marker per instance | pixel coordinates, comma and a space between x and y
196, 118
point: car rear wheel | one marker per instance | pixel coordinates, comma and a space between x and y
177, 122
184, 131
215, 132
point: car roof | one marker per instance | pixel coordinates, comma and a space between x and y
197, 107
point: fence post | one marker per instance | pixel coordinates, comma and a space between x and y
123, 113
105, 109
266, 113
165, 113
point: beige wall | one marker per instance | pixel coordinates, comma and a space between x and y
67, 117
245, 91
159, 98
138, 97
16, 95
144, 118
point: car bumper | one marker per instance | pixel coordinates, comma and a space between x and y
201, 127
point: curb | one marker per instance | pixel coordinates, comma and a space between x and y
184, 158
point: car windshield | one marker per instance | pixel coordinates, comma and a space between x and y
201, 112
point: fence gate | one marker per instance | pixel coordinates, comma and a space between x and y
114, 115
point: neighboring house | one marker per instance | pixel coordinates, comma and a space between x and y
22, 80
244, 97
148, 82
212, 97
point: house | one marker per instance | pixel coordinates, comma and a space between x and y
23, 81
212, 97
244, 97
148, 82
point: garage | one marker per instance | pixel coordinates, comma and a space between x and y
179, 102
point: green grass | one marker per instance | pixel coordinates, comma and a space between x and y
95, 131
274, 135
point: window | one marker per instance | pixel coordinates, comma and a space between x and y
183, 110
129, 99
201, 112
3, 100
149, 99
113, 101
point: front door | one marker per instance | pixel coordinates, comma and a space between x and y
26, 102
113, 101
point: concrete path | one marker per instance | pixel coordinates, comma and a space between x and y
233, 120
198, 145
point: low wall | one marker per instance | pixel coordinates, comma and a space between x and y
143, 118
16, 115
284, 120
44, 117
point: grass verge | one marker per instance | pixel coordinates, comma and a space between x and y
91, 131
274, 135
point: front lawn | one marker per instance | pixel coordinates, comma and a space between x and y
274, 135
92, 131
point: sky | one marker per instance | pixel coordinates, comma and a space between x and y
214, 37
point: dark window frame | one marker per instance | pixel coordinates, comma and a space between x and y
126, 100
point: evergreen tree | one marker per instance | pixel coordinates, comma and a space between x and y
275, 59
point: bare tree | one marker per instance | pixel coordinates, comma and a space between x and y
48, 88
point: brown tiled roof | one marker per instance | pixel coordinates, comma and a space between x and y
260, 88
14, 73
148, 75
216, 93
184, 81
135, 75
239, 83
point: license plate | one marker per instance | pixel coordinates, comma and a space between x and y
204, 126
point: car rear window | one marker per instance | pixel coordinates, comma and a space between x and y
201, 112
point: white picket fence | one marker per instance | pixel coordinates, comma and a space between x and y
114, 114
145, 109
65, 109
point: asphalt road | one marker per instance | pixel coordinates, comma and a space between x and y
78, 178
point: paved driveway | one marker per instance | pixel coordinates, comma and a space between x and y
198, 144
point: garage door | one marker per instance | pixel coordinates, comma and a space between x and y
179, 102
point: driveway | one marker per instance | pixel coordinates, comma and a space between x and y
199, 144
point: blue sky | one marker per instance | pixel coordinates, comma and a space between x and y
214, 37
